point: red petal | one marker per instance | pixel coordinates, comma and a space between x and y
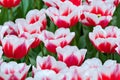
8, 50
20, 51
71, 60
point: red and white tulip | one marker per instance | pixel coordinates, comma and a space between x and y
72, 73
71, 55
95, 14
49, 63
15, 47
105, 39
13, 71
66, 16
35, 21
57, 3
33, 25
9, 3
93, 66
61, 37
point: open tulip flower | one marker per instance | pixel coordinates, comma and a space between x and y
13, 71
49, 63
71, 55
110, 71
105, 39
66, 16
62, 37
33, 25
15, 47
35, 21
95, 14
9, 3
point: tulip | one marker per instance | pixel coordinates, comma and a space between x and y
13, 71
104, 40
15, 47
49, 62
57, 3
62, 37
66, 16
9, 3
95, 14
33, 25
71, 55
72, 73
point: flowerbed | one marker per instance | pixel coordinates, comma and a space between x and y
59, 40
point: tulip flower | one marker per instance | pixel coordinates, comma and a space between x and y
35, 21
72, 73
95, 14
33, 25
71, 55
110, 70
62, 37
13, 71
66, 16
15, 47
90, 67
49, 63
9, 3
56, 3
104, 40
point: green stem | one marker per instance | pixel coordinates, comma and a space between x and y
26, 59
97, 54
11, 14
41, 46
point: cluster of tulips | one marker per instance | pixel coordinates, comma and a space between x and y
17, 38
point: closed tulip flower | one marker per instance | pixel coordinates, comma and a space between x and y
9, 3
